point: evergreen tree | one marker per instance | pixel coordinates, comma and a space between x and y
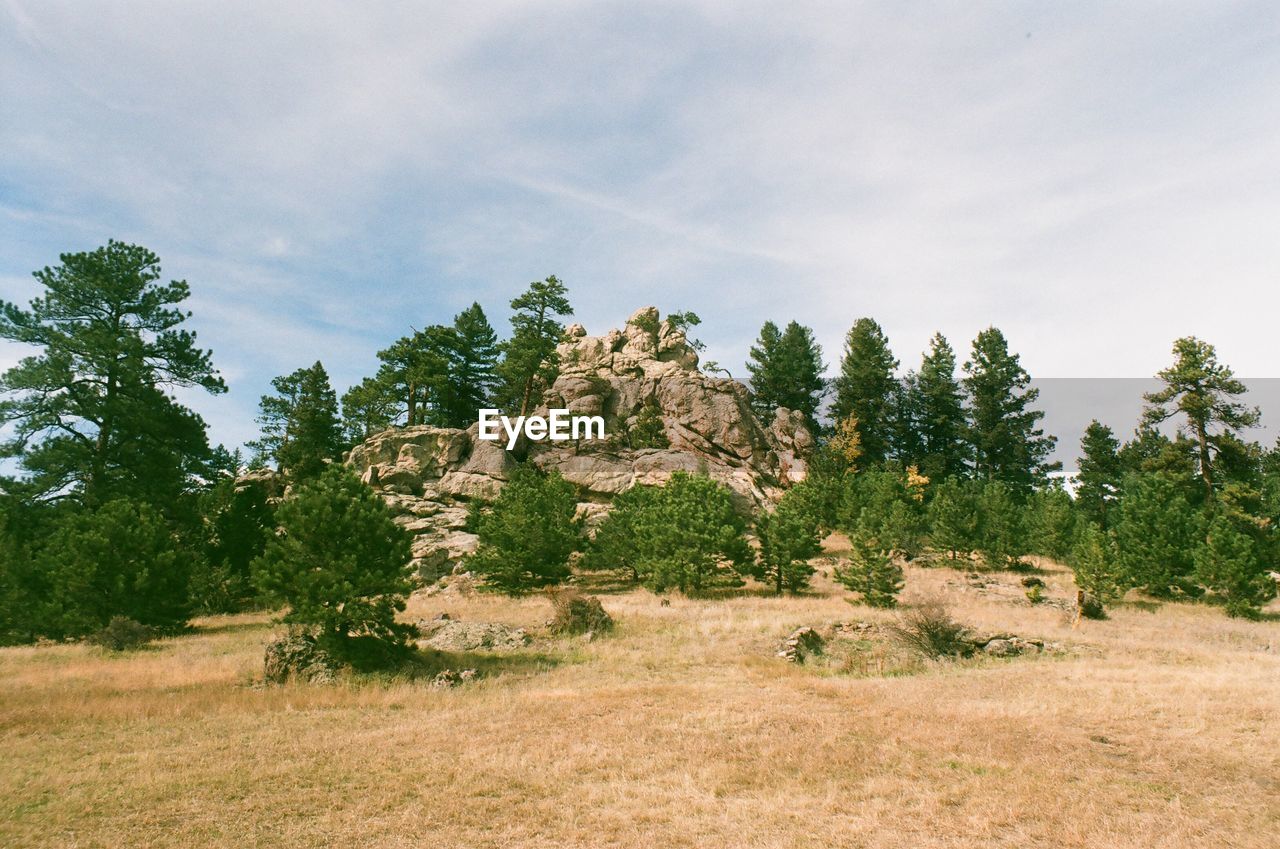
954, 520
1002, 536
648, 431
1007, 444
91, 413
118, 559
786, 371
1238, 552
887, 505
1157, 530
342, 566
529, 362
871, 571
415, 371
866, 387
788, 536
1204, 392
1096, 567
527, 537
473, 366
940, 413
301, 430
766, 375
685, 534
367, 408
1098, 482
1051, 523
239, 521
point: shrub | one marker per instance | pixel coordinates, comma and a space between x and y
871, 572
121, 634
575, 613
341, 564
929, 629
527, 537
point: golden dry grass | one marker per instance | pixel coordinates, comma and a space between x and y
1160, 729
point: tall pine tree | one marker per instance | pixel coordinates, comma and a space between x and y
529, 362
1205, 393
940, 413
473, 366
301, 430
1008, 446
91, 412
866, 388
786, 371
1098, 482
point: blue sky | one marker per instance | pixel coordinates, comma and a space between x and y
1095, 179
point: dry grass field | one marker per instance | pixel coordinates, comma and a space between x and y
1158, 728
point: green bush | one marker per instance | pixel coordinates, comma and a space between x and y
954, 519
1232, 563
788, 536
871, 572
683, 535
1097, 570
121, 634
122, 559
341, 565
1157, 531
528, 535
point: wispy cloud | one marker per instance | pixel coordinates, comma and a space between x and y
1094, 178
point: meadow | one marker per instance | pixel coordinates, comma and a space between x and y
1158, 727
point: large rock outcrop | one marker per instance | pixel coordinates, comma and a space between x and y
662, 415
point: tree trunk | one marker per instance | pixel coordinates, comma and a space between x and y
1205, 472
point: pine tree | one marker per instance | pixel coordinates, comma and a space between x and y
529, 362
473, 366
684, 534
954, 520
91, 412
802, 367
1051, 523
415, 371
367, 408
1098, 482
118, 559
1234, 560
528, 535
1204, 391
871, 572
866, 387
940, 413
763, 367
342, 566
788, 537
1157, 530
1007, 444
239, 521
1002, 534
301, 430
1097, 569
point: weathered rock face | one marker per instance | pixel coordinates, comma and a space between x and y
427, 474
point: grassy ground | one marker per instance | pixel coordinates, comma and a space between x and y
1160, 728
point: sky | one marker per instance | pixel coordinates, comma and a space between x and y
1096, 179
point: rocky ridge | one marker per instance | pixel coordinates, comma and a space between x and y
429, 475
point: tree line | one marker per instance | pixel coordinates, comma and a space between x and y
120, 506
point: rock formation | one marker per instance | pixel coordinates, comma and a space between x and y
661, 414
